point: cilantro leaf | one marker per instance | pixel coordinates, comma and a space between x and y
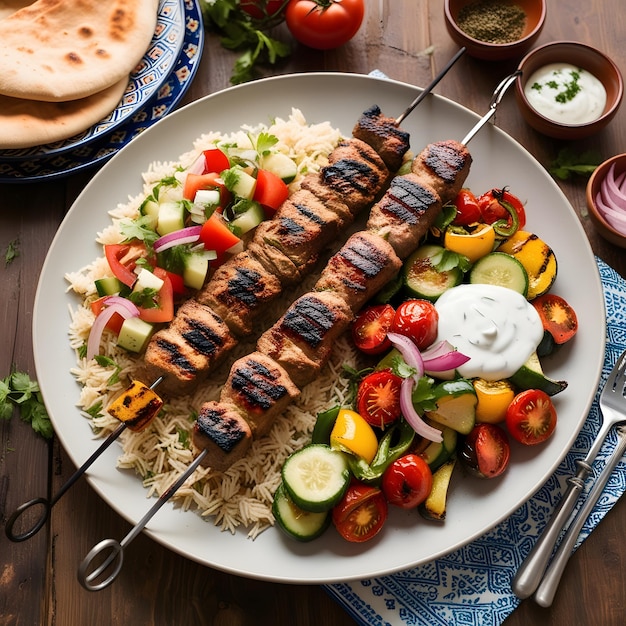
568, 162
12, 252
19, 391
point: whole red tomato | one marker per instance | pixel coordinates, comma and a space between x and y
417, 319
467, 209
408, 481
324, 24
260, 9
493, 206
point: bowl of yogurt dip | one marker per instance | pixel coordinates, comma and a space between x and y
568, 90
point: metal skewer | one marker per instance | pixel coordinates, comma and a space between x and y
116, 556
431, 86
46, 503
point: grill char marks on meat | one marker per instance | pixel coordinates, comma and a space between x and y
330, 199
444, 166
384, 135
223, 433
239, 288
405, 213
301, 341
260, 389
356, 173
364, 264
196, 340
302, 227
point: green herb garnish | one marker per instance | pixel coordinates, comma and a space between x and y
19, 391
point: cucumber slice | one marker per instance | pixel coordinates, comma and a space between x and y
134, 334
108, 286
316, 477
171, 217
502, 269
244, 185
249, 219
195, 270
296, 522
531, 376
280, 164
423, 280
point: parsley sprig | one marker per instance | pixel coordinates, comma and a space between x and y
243, 33
18, 391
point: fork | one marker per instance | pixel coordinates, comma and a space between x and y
613, 411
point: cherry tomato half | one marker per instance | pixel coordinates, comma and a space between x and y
531, 417
378, 398
370, 328
407, 482
557, 317
492, 208
485, 452
324, 24
467, 209
361, 513
417, 319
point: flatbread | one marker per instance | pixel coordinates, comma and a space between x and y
27, 123
58, 50
7, 7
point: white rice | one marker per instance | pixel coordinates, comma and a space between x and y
242, 496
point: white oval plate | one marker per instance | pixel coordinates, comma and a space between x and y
474, 506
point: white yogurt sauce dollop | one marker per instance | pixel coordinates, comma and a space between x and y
496, 327
566, 94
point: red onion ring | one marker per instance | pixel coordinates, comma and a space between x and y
190, 234
102, 319
411, 415
409, 352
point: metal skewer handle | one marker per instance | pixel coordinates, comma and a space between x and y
547, 589
115, 559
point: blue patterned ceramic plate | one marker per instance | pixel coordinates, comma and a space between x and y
96, 152
154, 68
475, 506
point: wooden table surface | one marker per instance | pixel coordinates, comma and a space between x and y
38, 578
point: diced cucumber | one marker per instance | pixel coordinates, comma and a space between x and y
316, 477
531, 376
195, 270
296, 522
207, 197
502, 269
134, 334
171, 217
147, 280
108, 286
150, 209
280, 164
243, 185
456, 405
249, 219
437, 453
423, 280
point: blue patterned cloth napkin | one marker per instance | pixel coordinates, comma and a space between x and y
472, 586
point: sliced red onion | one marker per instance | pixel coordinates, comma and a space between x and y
409, 351
611, 190
443, 356
190, 234
197, 167
411, 415
131, 307
95, 334
614, 215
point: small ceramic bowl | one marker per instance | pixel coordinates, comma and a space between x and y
582, 56
535, 11
593, 188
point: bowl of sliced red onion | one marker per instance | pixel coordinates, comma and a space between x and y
606, 199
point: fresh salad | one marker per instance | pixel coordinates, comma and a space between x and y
423, 407
188, 225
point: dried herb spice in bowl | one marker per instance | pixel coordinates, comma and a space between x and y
495, 30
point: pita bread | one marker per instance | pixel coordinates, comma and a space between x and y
27, 123
58, 50
7, 7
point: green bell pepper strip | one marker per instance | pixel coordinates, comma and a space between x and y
386, 454
501, 226
324, 425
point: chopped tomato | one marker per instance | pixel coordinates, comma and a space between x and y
361, 513
370, 328
178, 283
557, 317
164, 309
211, 180
486, 451
378, 398
408, 481
418, 320
122, 259
499, 205
467, 209
531, 417
270, 191
215, 235
115, 322
215, 161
